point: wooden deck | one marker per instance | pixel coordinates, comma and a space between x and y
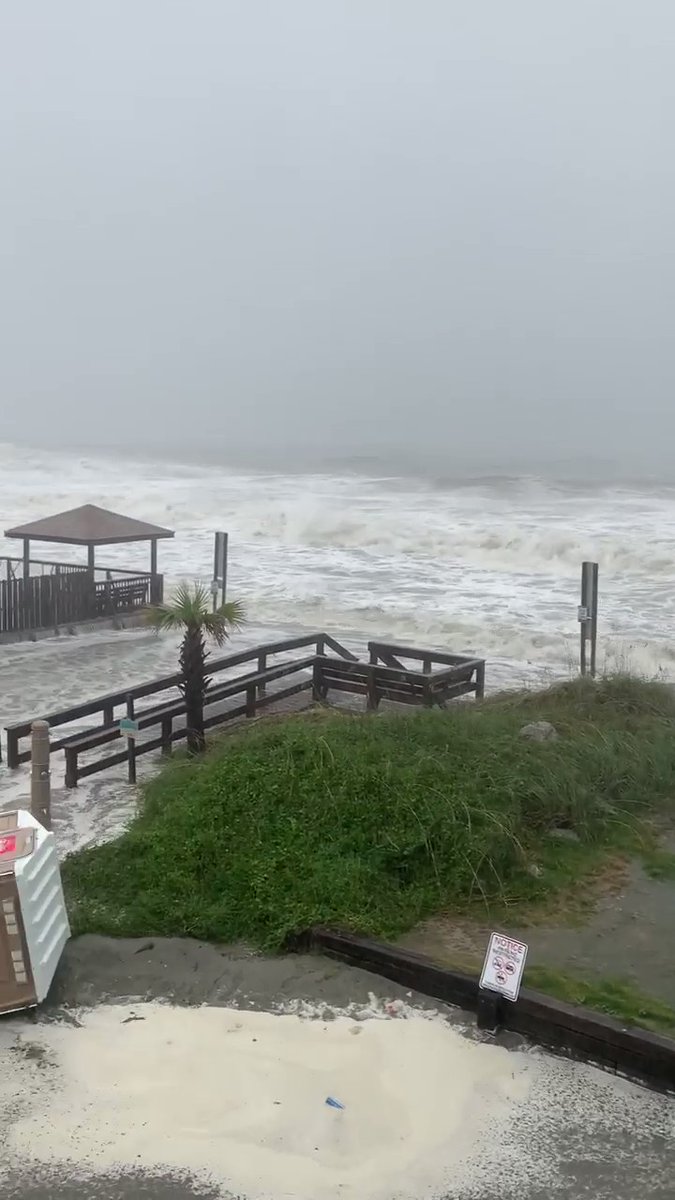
268, 678
59, 595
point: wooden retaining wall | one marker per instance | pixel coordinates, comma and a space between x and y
565, 1028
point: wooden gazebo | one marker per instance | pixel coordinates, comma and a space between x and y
70, 591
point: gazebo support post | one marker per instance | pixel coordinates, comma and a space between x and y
26, 558
91, 571
154, 598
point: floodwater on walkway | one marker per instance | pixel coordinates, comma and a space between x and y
430, 1108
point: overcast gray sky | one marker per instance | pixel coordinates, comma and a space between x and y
345, 223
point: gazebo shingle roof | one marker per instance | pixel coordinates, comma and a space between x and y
89, 525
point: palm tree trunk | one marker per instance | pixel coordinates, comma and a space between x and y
193, 687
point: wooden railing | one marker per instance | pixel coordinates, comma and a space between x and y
12, 568
319, 672
126, 595
44, 602
472, 669
48, 601
106, 705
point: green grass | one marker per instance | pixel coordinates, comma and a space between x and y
658, 863
375, 823
610, 996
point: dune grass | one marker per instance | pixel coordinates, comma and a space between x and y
613, 997
374, 823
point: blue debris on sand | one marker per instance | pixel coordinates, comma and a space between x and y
333, 1103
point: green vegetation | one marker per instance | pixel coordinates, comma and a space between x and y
374, 823
191, 612
658, 863
610, 996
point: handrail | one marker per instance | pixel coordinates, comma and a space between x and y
432, 656
107, 703
252, 685
342, 671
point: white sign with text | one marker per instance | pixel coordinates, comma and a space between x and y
504, 965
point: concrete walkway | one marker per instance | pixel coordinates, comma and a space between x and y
492, 1119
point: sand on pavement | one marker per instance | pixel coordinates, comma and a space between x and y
115, 1094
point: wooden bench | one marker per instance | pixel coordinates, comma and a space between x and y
118, 596
464, 668
252, 686
398, 683
375, 682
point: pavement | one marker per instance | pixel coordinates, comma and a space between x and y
581, 1132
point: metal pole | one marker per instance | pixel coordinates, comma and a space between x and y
223, 589
582, 623
594, 617
131, 744
588, 615
40, 781
219, 568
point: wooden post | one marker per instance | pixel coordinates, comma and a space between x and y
318, 689
131, 744
57, 596
108, 714
373, 699
250, 700
262, 666
154, 590
108, 594
588, 616
167, 726
71, 766
12, 750
489, 1010
40, 785
480, 681
26, 558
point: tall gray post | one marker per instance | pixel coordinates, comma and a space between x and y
40, 781
219, 568
588, 616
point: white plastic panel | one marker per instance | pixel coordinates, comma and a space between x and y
38, 883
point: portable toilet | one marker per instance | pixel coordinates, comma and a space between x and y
33, 919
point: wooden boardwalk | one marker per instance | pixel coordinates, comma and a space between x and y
266, 677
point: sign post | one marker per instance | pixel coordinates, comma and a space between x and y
219, 568
587, 616
501, 977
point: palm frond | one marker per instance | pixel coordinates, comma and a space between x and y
190, 608
219, 623
163, 618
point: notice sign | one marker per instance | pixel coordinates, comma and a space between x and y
504, 965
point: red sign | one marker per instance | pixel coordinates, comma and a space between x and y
8, 844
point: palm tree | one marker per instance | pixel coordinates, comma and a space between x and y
190, 611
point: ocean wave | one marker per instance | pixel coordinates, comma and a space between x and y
491, 544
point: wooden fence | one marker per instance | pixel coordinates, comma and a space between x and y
328, 667
49, 601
